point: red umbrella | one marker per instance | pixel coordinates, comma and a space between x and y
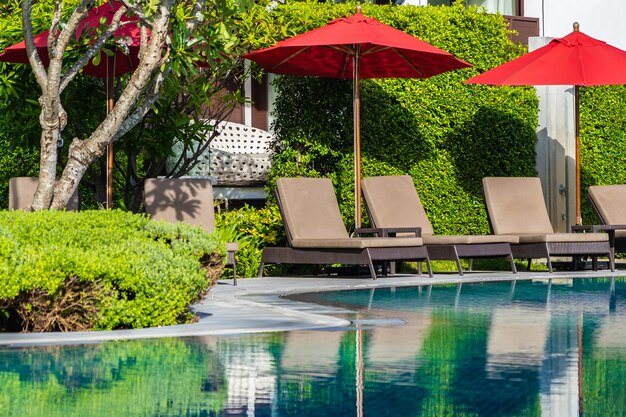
356, 47
576, 59
124, 60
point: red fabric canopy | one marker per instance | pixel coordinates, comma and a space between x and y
385, 52
128, 33
576, 59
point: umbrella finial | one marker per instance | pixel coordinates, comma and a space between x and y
358, 9
576, 27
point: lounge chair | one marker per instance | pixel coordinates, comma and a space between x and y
609, 202
393, 204
188, 200
515, 206
22, 190
317, 235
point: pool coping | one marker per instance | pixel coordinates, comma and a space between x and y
258, 305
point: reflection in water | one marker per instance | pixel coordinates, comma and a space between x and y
471, 350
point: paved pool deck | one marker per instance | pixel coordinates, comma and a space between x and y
257, 305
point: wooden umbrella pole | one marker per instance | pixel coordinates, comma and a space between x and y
579, 219
109, 154
357, 138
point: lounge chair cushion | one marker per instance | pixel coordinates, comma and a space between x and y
469, 239
357, 243
516, 206
188, 200
562, 237
610, 201
406, 209
310, 209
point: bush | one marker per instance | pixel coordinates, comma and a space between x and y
445, 134
101, 270
253, 229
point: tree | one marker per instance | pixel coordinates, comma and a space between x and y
166, 51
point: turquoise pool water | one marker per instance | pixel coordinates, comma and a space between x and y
525, 349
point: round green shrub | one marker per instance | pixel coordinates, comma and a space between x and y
101, 269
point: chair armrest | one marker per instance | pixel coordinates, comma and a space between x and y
608, 227
367, 231
393, 231
581, 228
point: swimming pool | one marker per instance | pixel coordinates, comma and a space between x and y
501, 349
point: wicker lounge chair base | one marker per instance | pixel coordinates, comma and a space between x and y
366, 256
547, 250
458, 252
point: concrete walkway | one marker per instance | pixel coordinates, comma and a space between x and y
256, 305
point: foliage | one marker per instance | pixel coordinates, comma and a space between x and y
253, 229
120, 270
602, 140
200, 64
443, 133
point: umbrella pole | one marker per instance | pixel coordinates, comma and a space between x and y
579, 219
109, 153
357, 137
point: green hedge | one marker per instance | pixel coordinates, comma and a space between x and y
100, 270
602, 140
445, 134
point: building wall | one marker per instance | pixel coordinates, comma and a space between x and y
602, 19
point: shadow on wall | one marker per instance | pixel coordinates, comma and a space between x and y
490, 144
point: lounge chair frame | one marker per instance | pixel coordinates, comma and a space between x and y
547, 250
617, 244
317, 256
450, 252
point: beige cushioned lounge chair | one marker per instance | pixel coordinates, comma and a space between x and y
22, 190
515, 206
393, 204
609, 203
188, 200
316, 233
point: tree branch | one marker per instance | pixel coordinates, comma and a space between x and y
94, 48
31, 50
54, 27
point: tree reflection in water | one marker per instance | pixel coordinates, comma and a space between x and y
476, 350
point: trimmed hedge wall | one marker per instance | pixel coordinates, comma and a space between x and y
445, 134
100, 270
602, 140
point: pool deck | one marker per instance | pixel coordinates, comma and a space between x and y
256, 305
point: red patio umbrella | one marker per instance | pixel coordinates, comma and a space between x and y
124, 60
576, 59
356, 47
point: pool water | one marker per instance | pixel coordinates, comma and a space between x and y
553, 348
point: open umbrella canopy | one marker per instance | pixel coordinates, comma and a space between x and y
576, 59
356, 47
384, 52
127, 36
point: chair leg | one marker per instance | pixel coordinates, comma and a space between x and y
528, 266
470, 264
550, 264
512, 260
430, 271
459, 268
260, 275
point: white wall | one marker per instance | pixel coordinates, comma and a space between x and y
601, 19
